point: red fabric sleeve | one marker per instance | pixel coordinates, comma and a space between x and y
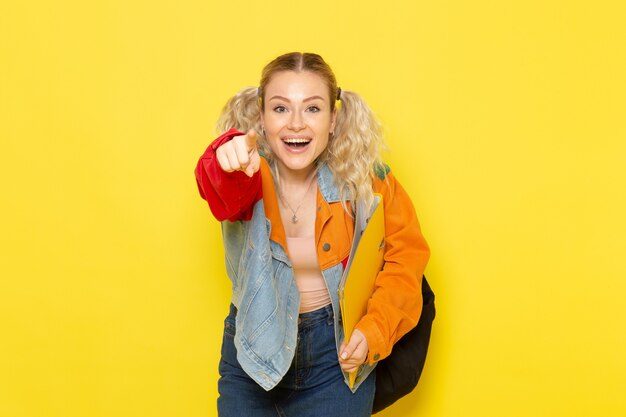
231, 195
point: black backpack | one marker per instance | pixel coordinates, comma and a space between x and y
397, 374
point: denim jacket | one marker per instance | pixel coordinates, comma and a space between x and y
266, 295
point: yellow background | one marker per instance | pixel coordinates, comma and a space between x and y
505, 122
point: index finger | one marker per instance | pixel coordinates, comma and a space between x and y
251, 140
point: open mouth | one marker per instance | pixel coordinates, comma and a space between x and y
296, 143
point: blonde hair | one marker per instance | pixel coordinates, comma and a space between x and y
353, 151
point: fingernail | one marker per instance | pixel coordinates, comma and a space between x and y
344, 355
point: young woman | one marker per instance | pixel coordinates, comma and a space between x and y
283, 179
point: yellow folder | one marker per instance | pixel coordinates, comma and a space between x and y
364, 264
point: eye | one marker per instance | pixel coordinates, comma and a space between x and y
313, 109
280, 109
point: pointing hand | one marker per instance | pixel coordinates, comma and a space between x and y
240, 154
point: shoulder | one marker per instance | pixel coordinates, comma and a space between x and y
384, 180
386, 184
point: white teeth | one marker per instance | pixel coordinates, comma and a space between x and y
296, 140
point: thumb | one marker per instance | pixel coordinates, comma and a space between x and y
348, 349
251, 140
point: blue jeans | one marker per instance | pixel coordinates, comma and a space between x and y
313, 386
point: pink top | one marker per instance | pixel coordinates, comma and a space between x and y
313, 291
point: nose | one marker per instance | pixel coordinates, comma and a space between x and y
296, 122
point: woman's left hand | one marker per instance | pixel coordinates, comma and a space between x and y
354, 353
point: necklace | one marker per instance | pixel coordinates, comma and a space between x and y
294, 217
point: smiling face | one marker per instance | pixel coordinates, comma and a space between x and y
298, 119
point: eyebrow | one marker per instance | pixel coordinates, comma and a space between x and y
305, 100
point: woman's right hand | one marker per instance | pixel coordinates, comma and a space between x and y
240, 154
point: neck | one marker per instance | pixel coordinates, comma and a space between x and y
295, 178
294, 192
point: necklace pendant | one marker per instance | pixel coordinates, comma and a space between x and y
294, 219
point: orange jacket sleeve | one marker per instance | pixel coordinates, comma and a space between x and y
396, 303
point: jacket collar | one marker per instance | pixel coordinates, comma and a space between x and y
328, 192
326, 184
